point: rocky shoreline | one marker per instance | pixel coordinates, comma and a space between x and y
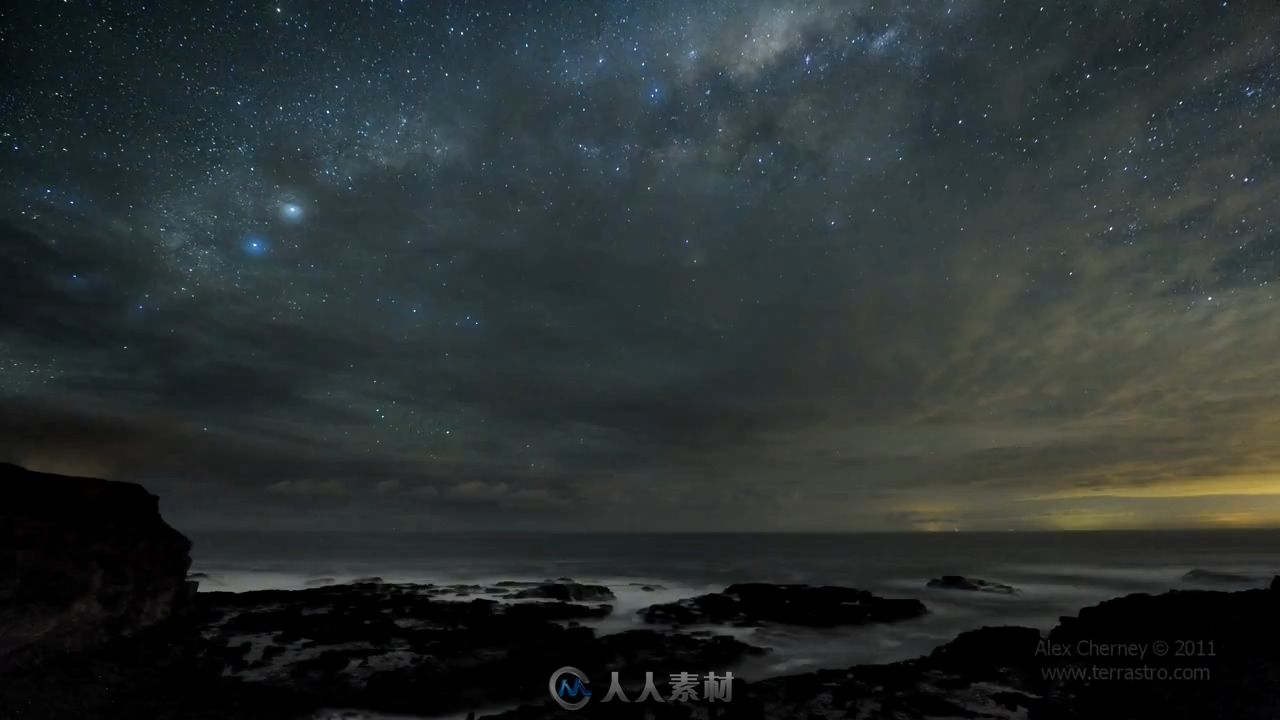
126, 638
404, 651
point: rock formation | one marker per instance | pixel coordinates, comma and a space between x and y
959, 582
805, 605
1216, 577
82, 561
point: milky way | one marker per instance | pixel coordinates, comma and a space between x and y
667, 265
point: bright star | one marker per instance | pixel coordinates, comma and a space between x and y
255, 246
291, 212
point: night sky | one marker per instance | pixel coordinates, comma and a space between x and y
669, 265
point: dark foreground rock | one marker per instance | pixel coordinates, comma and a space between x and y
1182, 655
922, 689
395, 649
398, 648
564, 590
82, 561
960, 582
758, 603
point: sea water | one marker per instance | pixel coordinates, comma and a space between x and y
1056, 573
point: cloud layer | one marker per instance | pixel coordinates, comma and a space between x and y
683, 266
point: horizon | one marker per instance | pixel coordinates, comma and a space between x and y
1047, 531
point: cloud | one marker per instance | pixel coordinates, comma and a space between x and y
308, 488
478, 490
798, 266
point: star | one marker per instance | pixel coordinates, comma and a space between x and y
255, 246
291, 212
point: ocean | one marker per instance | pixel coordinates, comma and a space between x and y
1056, 573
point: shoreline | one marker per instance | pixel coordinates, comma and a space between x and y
106, 622
302, 653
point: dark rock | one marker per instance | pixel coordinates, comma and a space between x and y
912, 690
648, 587
566, 591
82, 561
1220, 660
915, 690
161, 672
290, 653
1228, 641
989, 647
757, 603
1275, 583
376, 646
371, 580
461, 590
542, 611
960, 582
1213, 577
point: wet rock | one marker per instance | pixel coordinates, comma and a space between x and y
539, 611
1220, 658
758, 603
950, 685
647, 587
960, 582
376, 647
566, 591
989, 647
1214, 577
291, 653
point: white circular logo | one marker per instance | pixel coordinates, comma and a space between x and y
570, 688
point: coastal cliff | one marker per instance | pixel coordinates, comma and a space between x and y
82, 562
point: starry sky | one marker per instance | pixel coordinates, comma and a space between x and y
663, 265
